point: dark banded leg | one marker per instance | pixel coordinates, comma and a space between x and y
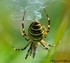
34, 52
31, 51
28, 51
48, 22
44, 44
22, 31
22, 48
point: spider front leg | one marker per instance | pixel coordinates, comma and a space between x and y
23, 31
48, 23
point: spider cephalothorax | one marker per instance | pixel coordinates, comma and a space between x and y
36, 33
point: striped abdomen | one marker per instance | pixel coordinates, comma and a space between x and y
35, 31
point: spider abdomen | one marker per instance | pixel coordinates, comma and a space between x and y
35, 31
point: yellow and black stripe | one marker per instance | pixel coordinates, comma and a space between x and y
35, 31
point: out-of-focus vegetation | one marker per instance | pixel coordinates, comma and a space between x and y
59, 35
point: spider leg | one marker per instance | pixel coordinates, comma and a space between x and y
34, 52
23, 31
31, 51
22, 48
35, 49
28, 51
44, 44
48, 22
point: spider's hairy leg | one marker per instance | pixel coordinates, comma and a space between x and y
23, 31
22, 48
28, 51
45, 44
48, 22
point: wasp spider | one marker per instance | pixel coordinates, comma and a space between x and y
36, 33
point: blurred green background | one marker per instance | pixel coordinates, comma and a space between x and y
59, 35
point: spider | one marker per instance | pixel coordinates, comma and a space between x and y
36, 33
